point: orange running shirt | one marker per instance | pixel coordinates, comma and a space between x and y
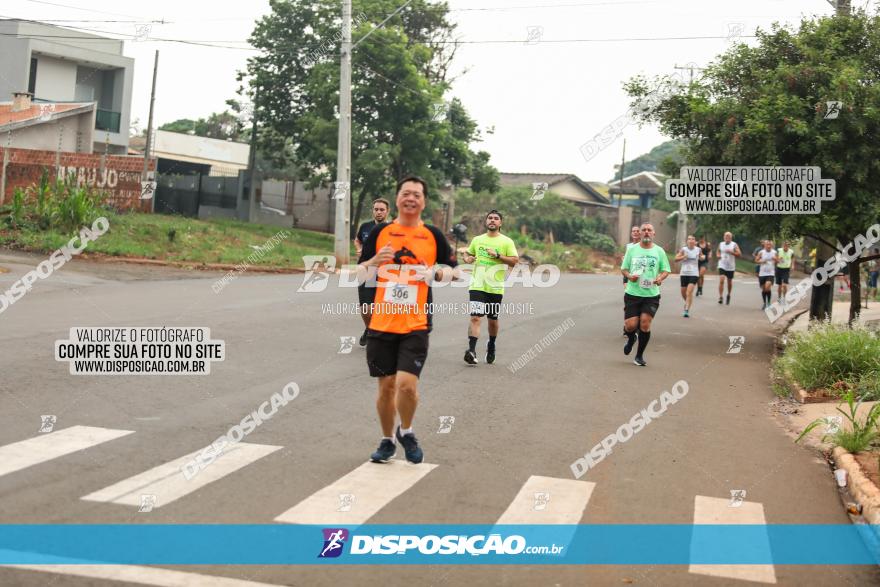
402, 301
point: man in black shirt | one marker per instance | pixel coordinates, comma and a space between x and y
381, 208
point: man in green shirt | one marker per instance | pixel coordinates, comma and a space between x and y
645, 267
491, 253
784, 258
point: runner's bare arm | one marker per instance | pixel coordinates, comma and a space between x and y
384, 255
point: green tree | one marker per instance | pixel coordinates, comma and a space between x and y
664, 154
766, 105
400, 122
219, 125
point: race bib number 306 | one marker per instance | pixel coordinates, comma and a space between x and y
400, 293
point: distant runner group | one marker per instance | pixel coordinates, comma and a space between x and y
409, 252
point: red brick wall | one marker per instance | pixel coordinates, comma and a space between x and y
119, 176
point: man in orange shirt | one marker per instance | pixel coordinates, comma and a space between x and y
403, 254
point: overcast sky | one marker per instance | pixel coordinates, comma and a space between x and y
544, 98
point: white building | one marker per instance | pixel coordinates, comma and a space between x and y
59, 65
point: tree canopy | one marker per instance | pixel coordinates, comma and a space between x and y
657, 159
401, 122
766, 105
219, 125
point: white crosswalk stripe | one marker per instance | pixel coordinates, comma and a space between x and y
33, 451
547, 500
357, 496
141, 575
168, 483
713, 510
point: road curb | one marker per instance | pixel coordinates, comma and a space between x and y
190, 264
861, 488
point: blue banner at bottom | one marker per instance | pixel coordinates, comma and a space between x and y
147, 544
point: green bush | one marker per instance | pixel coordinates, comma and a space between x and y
859, 435
829, 354
60, 204
540, 217
600, 242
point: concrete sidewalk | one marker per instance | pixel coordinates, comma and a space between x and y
869, 317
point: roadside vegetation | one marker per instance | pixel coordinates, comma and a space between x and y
548, 230
833, 359
44, 216
856, 434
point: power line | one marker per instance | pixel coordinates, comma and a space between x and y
212, 43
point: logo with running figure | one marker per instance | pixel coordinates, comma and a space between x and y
542, 499
736, 344
737, 497
334, 541
346, 344
318, 269
47, 423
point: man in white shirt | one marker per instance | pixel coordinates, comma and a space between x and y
728, 251
766, 260
689, 257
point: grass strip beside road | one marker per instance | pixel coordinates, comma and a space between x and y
178, 239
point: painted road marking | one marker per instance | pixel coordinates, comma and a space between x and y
45, 447
141, 575
713, 510
547, 500
168, 483
357, 496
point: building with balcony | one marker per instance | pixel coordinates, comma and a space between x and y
58, 65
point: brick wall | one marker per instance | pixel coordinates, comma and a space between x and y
119, 176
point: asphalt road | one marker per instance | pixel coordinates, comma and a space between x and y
508, 427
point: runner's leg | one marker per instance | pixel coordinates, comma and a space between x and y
644, 333
385, 404
407, 398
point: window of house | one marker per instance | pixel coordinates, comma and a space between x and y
32, 80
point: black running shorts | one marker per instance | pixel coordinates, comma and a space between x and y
366, 295
762, 279
725, 273
388, 353
634, 306
782, 274
485, 304
689, 279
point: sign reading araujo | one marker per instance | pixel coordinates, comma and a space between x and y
750, 190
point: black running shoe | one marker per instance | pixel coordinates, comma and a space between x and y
490, 356
470, 357
640, 361
628, 347
386, 450
728, 300
363, 340
720, 300
410, 447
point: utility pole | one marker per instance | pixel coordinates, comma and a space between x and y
843, 7
682, 219
622, 165
144, 176
252, 161
342, 191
